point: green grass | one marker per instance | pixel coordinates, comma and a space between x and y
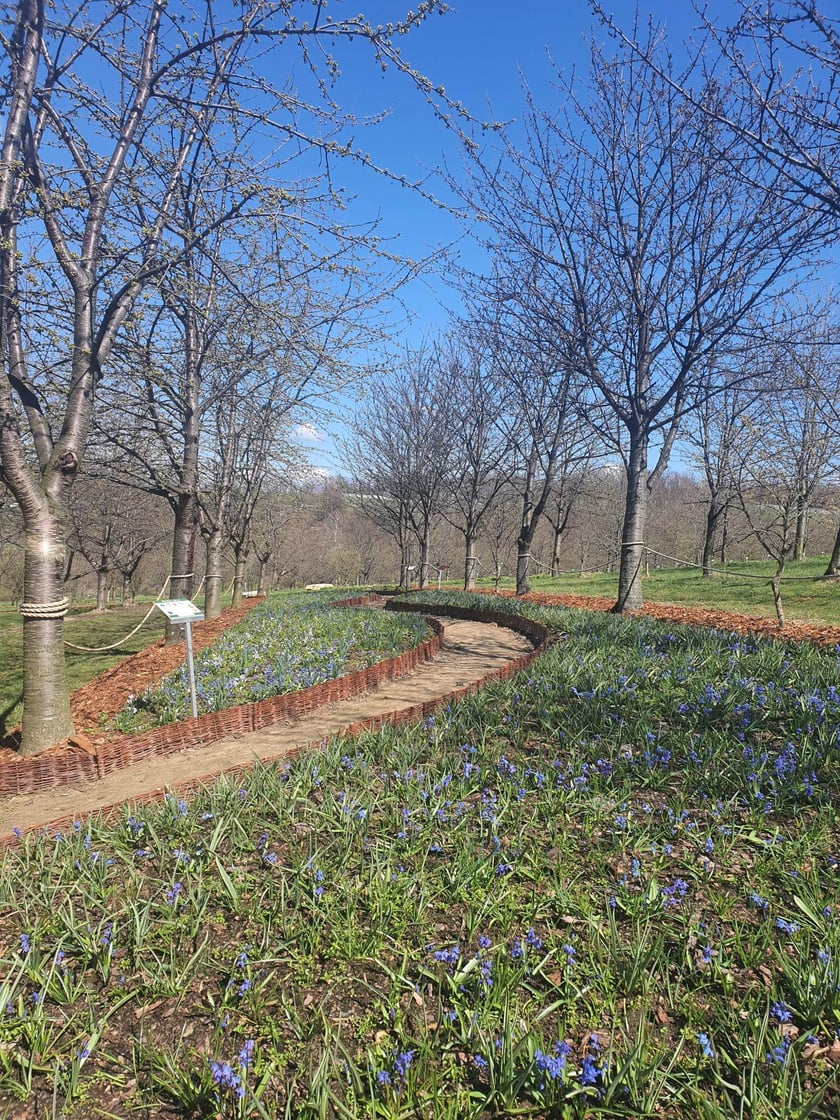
606, 888
745, 589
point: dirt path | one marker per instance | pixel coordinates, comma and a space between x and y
470, 651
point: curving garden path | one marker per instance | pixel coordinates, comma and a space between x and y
471, 653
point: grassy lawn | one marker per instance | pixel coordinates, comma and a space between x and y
745, 589
608, 887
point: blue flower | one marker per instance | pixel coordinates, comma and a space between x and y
224, 1076
553, 1066
402, 1061
779, 1053
590, 1073
673, 894
705, 1045
790, 928
780, 1012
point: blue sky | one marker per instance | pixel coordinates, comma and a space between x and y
481, 52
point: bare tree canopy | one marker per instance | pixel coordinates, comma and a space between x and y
779, 62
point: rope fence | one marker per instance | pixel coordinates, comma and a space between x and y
723, 571
131, 633
683, 563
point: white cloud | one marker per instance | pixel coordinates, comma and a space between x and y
309, 433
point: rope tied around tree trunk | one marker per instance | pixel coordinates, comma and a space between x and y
56, 609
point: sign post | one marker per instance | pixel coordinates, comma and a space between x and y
184, 612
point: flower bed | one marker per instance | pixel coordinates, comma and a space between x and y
605, 887
286, 644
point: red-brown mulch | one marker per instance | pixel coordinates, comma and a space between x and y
817, 632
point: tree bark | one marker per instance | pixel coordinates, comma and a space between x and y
799, 539
776, 585
183, 558
555, 549
713, 515
630, 596
470, 563
101, 589
424, 561
240, 561
213, 574
833, 568
523, 564
46, 701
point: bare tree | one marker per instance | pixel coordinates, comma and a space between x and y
780, 63
401, 451
87, 191
540, 417
480, 448
713, 433
645, 252
112, 534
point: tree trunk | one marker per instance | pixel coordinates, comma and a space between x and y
183, 559
833, 568
260, 574
470, 562
213, 574
555, 551
799, 540
46, 701
523, 564
632, 538
241, 559
405, 568
101, 589
724, 539
424, 561
712, 518
776, 585
526, 535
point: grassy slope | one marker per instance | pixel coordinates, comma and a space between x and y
744, 589
606, 888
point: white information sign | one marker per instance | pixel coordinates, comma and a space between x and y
184, 612
180, 610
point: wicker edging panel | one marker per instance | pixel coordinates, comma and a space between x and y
31, 775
